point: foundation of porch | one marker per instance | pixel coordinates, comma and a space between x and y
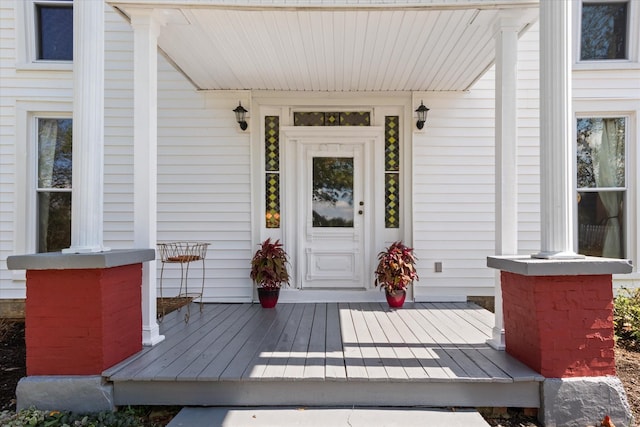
558, 320
83, 315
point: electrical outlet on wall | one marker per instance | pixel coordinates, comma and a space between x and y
437, 266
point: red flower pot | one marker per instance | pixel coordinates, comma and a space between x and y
396, 300
268, 297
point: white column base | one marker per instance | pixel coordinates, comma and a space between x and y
85, 250
151, 336
497, 341
557, 255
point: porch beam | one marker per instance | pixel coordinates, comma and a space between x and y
506, 178
88, 128
557, 159
146, 29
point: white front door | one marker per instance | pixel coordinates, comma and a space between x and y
332, 195
333, 212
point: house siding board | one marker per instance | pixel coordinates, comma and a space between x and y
454, 176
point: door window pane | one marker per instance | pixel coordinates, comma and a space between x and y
332, 195
55, 32
604, 31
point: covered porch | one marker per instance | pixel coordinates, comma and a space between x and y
326, 354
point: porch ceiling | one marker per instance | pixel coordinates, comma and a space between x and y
306, 45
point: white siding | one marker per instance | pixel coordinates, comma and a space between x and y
453, 186
454, 173
17, 85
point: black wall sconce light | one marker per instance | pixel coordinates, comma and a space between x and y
422, 115
240, 116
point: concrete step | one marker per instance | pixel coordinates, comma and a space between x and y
324, 417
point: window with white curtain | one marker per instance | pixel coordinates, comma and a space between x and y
53, 188
601, 186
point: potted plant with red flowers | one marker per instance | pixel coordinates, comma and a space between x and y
395, 272
269, 271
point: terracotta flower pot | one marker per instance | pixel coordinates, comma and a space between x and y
396, 300
268, 297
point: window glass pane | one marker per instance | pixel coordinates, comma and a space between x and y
391, 200
55, 32
332, 118
54, 221
272, 185
272, 143
54, 153
604, 31
332, 196
601, 152
601, 224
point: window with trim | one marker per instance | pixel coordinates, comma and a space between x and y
601, 186
53, 183
604, 30
54, 30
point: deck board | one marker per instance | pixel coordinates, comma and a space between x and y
353, 357
255, 368
276, 364
335, 368
314, 365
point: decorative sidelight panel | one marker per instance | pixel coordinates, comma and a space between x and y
272, 170
392, 169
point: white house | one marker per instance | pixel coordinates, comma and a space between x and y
119, 132
330, 85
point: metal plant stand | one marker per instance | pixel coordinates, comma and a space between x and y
182, 253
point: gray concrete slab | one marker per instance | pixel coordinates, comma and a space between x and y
77, 393
324, 417
60, 261
528, 266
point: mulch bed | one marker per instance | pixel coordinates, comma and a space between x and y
12, 361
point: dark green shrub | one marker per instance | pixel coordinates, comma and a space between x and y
626, 316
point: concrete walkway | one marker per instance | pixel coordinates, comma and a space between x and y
321, 417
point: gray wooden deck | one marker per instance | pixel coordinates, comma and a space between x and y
326, 354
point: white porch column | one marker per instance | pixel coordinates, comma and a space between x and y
506, 221
145, 140
557, 159
88, 128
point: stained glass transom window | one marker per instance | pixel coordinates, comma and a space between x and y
272, 171
332, 118
392, 169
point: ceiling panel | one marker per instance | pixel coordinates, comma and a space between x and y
332, 49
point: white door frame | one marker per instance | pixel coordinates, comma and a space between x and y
293, 140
